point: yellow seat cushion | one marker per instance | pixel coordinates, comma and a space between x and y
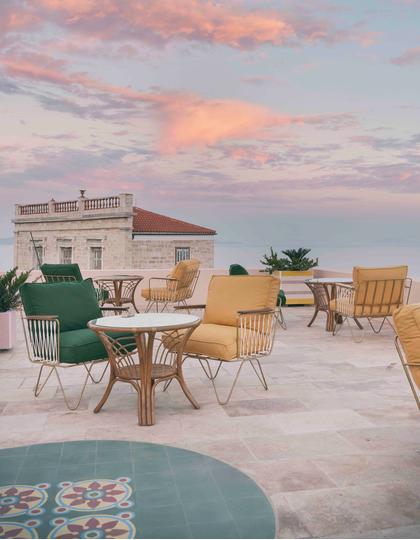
407, 325
214, 340
229, 294
162, 294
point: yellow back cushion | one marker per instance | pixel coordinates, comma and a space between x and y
183, 271
407, 325
229, 294
388, 289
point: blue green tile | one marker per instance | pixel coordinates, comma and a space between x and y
78, 457
172, 515
196, 485
162, 481
214, 511
250, 506
42, 460
114, 470
225, 529
36, 475
48, 449
75, 473
157, 497
177, 531
263, 527
9, 467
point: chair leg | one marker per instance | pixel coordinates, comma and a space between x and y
314, 316
38, 388
76, 404
378, 330
407, 372
235, 380
92, 378
259, 373
280, 318
209, 374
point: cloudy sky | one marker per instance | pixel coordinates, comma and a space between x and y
296, 119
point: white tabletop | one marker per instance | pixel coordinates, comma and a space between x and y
331, 280
143, 321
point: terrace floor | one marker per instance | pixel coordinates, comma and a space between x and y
334, 443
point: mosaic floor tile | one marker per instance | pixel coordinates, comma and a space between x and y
119, 489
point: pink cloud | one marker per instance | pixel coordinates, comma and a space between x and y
186, 120
408, 58
250, 155
161, 21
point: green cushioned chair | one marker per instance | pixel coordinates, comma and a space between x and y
55, 326
237, 270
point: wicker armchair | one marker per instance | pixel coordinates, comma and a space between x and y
55, 328
375, 294
173, 290
407, 342
238, 325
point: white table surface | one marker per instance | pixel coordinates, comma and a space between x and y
331, 280
147, 320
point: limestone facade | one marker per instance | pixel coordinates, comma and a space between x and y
98, 234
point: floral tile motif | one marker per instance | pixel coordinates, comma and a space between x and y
18, 500
97, 495
13, 529
93, 526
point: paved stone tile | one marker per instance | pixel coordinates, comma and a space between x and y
336, 413
263, 406
357, 509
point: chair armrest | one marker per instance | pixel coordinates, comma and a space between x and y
256, 311
42, 338
165, 279
256, 331
41, 317
192, 306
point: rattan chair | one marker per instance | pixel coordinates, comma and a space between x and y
374, 295
407, 342
55, 321
174, 290
238, 325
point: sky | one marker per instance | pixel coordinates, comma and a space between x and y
284, 122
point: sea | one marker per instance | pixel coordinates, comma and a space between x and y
340, 258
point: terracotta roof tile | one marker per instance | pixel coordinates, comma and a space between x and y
149, 222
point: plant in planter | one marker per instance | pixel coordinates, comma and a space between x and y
293, 270
10, 282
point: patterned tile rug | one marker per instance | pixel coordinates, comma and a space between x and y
119, 489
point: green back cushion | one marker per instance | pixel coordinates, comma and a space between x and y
73, 302
61, 270
237, 270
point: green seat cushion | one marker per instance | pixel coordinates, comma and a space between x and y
77, 346
237, 270
73, 302
64, 270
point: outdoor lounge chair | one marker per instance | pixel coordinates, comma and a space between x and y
374, 294
238, 326
407, 342
56, 333
173, 290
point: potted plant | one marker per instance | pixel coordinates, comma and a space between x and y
10, 283
293, 270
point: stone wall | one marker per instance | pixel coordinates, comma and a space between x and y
160, 253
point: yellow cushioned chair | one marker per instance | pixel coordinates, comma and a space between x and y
175, 289
374, 294
407, 342
238, 325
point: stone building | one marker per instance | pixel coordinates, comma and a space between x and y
104, 234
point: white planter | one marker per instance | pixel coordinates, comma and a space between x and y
7, 329
293, 284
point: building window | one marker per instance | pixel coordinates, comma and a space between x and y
38, 255
182, 254
66, 255
96, 258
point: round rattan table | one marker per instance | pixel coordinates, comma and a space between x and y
119, 289
144, 350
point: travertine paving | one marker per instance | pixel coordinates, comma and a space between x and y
335, 442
